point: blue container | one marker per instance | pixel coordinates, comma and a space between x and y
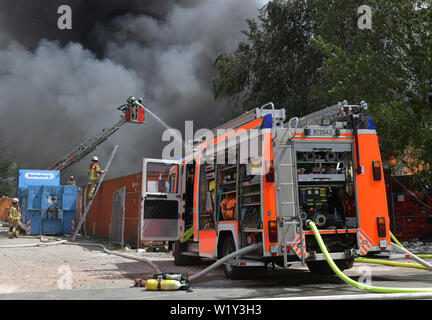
46, 206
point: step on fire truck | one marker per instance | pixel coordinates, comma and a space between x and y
324, 167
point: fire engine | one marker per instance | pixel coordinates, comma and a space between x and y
260, 181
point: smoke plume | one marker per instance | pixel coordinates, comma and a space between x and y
60, 87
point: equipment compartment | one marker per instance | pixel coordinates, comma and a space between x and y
326, 185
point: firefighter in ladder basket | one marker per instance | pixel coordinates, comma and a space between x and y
94, 173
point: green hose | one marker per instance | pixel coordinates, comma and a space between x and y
395, 240
185, 236
391, 263
350, 281
399, 244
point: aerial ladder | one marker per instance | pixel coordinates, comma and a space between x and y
133, 112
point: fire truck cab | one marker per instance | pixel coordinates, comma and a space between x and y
260, 178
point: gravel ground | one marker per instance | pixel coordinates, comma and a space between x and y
418, 246
29, 269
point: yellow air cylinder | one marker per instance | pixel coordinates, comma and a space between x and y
162, 284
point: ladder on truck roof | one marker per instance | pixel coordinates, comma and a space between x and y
91, 144
332, 114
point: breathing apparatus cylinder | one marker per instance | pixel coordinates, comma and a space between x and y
165, 282
170, 276
163, 285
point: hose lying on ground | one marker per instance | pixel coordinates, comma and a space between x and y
123, 255
350, 281
39, 244
398, 247
224, 259
390, 263
413, 256
401, 246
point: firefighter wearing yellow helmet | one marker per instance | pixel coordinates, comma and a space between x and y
71, 181
14, 215
94, 173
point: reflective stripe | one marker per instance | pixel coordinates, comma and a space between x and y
28, 226
364, 244
296, 247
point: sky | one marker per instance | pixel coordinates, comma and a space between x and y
61, 87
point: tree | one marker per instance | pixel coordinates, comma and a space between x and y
8, 174
277, 62
389, 66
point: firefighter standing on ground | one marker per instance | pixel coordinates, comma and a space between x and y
94, 173
14, 215
71, 181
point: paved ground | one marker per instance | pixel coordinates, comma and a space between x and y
43, 273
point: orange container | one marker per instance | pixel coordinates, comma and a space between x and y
5, 203
98, 219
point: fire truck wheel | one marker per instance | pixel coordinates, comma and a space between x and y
228, 246
182, 260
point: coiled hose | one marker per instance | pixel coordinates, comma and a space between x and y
350, 281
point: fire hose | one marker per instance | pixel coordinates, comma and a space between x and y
398, 247
352, 282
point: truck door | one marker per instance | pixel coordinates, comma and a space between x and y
160, 201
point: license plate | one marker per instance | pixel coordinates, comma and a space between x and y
323, 132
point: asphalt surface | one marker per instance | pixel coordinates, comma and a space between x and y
276, 284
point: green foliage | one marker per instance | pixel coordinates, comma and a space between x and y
277, 62
8, 174
389, 66
304, 55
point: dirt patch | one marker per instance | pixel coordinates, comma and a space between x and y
29, 269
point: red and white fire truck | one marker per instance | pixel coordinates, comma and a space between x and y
259, 182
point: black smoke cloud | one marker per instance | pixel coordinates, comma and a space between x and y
59, 87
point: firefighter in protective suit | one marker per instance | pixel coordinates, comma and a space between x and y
94, 173
14, 215
71, 181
